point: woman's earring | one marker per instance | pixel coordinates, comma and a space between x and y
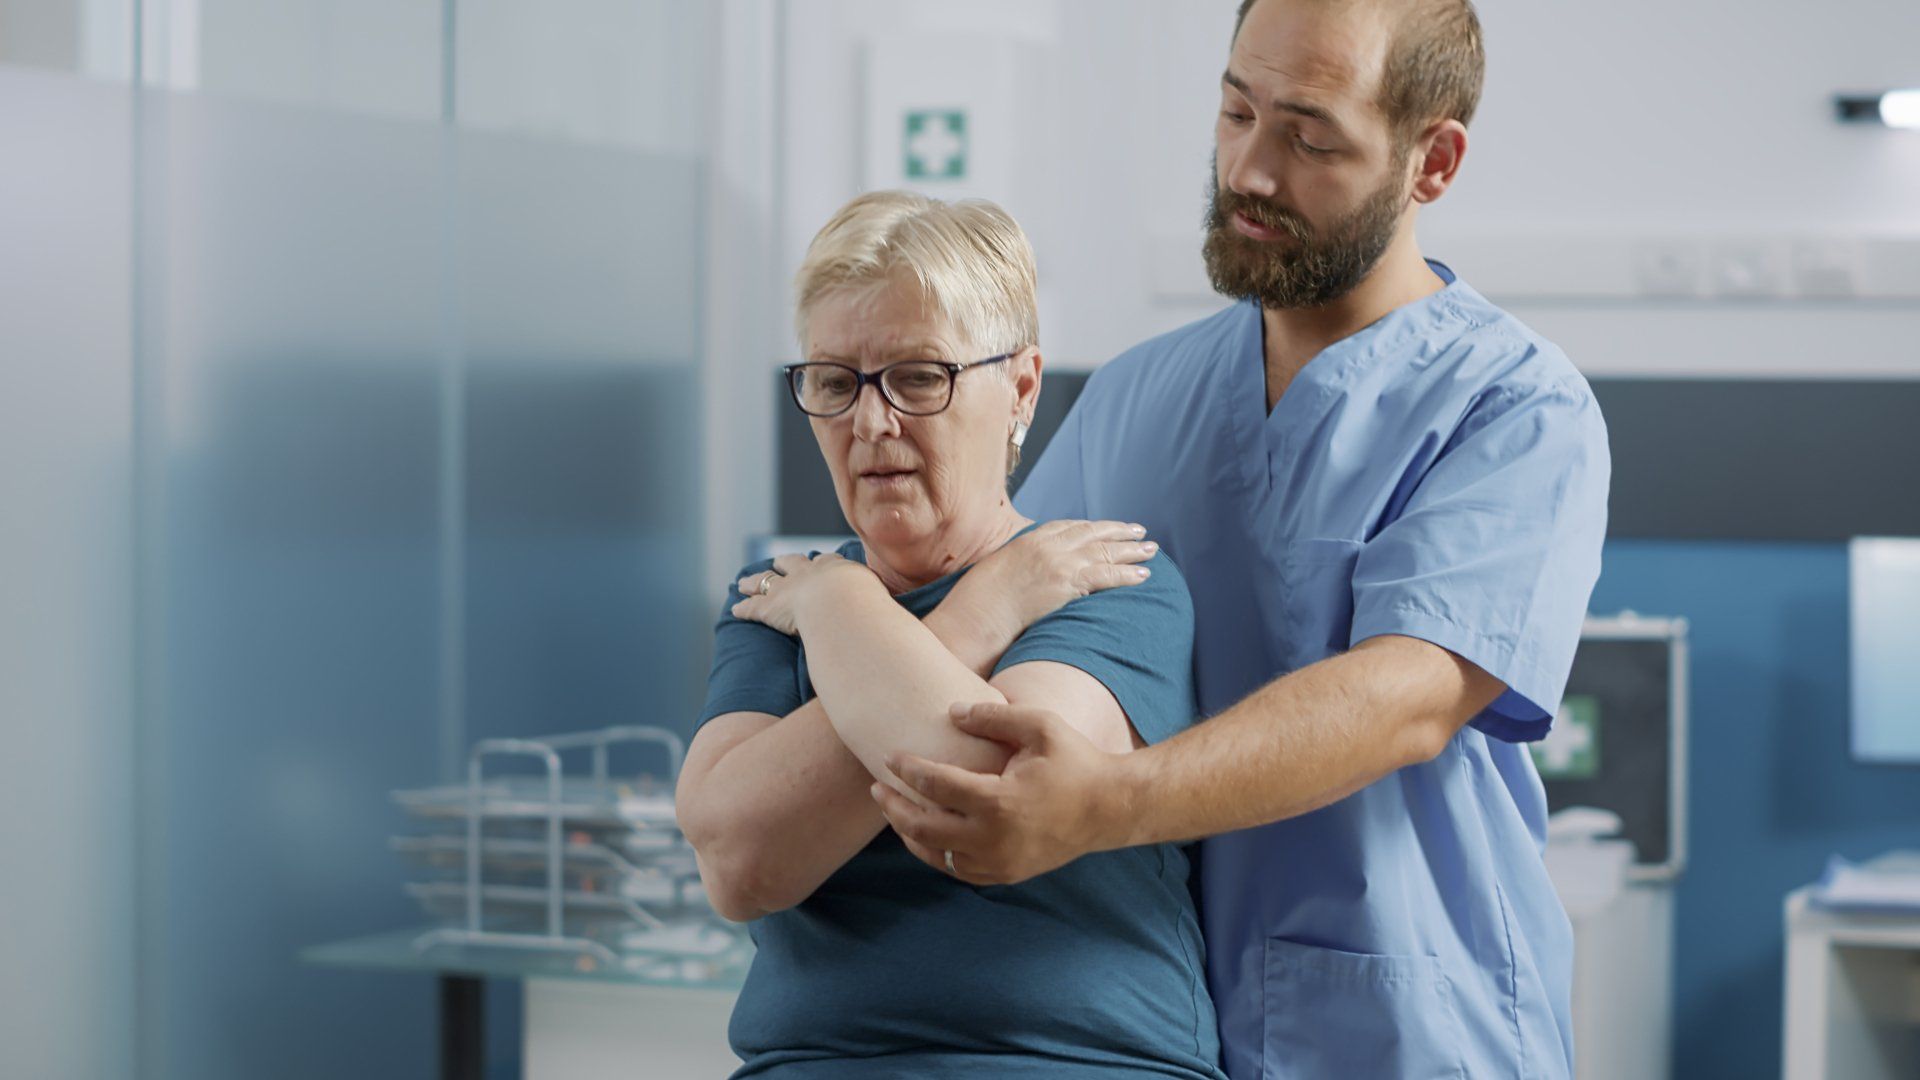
1019, 433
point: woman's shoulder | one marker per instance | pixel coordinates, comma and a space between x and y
1165, 585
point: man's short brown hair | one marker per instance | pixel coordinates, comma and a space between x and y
1435, 64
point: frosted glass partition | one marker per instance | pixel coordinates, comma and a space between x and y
295, 291
66, 579
367, 56
335, 434
369, 325
583, 599
607, 72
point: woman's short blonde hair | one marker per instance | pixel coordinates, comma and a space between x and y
971, 258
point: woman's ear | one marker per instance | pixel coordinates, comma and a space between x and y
1027, 366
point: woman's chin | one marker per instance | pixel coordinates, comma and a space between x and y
891, 526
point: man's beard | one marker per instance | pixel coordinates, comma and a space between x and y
1308, 267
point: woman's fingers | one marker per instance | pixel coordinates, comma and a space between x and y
1126, 552
1116, 542
1116, 530
1105, 576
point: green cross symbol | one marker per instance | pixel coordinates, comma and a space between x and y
1571, 751
936, 144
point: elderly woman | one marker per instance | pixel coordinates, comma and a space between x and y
919, 326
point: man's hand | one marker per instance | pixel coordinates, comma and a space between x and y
1058, 798
1034, 574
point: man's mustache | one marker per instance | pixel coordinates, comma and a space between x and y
1228, 203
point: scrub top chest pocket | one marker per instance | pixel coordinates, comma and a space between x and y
1315, 600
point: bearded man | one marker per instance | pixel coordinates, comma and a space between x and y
1388, 498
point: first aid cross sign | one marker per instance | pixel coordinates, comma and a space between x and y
936, 144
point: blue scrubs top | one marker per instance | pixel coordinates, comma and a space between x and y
1441, 474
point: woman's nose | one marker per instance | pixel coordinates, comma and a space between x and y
873, 418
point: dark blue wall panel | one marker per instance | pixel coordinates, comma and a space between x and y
1772, 789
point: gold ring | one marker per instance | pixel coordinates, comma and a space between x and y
766, 582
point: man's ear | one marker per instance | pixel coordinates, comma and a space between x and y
1437, 155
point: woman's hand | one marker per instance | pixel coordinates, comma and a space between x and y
796, 586
1036, 573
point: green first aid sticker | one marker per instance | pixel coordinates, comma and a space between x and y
1571, 751
936, 144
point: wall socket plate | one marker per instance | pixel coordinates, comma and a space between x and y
1824, 268
1744, 268
1669, 267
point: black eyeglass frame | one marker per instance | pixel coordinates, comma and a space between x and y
862, 378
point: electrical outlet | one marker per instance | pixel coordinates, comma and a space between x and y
1668, 267
1825, 268
1748, 268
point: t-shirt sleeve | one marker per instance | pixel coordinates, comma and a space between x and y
755, 667
1056, 487
1137, 640
1495, 555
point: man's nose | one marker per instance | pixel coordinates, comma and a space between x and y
1255, 168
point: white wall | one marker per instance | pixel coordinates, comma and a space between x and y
39, 33
1604, 127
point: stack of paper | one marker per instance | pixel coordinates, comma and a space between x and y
1888, 883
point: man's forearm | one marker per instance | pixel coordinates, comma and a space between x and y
1302, 742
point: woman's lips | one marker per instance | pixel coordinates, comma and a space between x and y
1253, 229
890, 478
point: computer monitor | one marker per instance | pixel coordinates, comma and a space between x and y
1885, 623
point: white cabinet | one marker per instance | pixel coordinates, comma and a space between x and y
1852, 994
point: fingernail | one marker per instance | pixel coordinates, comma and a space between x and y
1143, 571
1150, 547
1139, 530
957, 709
875, 792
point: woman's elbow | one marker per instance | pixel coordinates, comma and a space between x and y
738, 885
730, 900
741, 889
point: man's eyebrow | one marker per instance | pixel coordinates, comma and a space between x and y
1301, 108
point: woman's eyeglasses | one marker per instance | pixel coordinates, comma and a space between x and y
913, 387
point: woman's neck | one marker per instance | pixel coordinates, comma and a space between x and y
906, 568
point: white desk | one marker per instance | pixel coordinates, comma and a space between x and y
1852, 994
581, 1030
583, 1021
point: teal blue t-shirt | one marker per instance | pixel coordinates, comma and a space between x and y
893, 969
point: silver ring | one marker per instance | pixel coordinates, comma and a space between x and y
950, 868
766, 583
